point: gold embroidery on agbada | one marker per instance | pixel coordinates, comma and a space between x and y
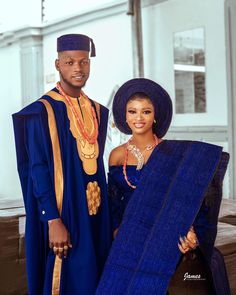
88, 153
93, 194
59, 186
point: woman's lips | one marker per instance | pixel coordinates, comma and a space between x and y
139, 125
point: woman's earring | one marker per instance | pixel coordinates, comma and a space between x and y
154, 121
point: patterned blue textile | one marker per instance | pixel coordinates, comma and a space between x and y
120, 192
90, 235
164, 205
75, 42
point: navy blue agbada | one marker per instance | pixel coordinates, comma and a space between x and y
90, 235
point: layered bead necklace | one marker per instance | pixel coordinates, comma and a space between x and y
91, 138
140, 156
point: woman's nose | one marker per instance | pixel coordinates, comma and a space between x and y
139, 116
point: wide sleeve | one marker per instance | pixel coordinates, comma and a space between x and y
40, 167
205, 224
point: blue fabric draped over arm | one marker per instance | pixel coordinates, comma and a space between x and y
43, 187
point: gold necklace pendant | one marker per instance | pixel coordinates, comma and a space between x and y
87, 149
88, 154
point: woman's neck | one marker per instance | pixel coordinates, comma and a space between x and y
143, 140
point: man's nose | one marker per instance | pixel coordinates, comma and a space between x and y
77, 67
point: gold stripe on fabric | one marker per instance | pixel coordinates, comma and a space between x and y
56, 279
87, 152
97, 105
58, 183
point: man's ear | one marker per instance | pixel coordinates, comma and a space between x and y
57, 64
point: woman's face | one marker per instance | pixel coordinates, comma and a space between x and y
140, 115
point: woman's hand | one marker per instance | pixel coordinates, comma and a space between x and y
59, 237
188, 243
115, 232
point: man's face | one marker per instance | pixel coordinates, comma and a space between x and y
74, 69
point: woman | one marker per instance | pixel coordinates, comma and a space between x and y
165, 197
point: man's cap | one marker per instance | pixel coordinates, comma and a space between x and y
76, 42
158, 96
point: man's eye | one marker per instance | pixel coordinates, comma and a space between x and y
69, 63
84, 62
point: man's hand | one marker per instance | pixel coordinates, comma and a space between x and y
188, 243
59, 237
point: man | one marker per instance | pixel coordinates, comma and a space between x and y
59, 143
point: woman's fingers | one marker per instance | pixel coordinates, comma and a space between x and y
189, 242
192, 239
184, 242
183, 245
192, 243
182, 249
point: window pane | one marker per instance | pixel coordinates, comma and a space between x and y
189, 67
190, 92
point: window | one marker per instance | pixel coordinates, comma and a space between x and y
189, 69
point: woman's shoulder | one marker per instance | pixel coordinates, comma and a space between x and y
117, 155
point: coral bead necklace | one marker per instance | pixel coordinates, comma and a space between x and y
91, 138
138, 154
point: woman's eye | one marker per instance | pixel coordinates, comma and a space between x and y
147, 112
131, 112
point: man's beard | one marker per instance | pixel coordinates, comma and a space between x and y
70, 84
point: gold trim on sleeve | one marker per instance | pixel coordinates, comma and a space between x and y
58, 183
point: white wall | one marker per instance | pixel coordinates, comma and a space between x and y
113, 66
15, 14
159, 25
70, 7
10, 98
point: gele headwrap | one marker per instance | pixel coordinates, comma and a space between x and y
159, 97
